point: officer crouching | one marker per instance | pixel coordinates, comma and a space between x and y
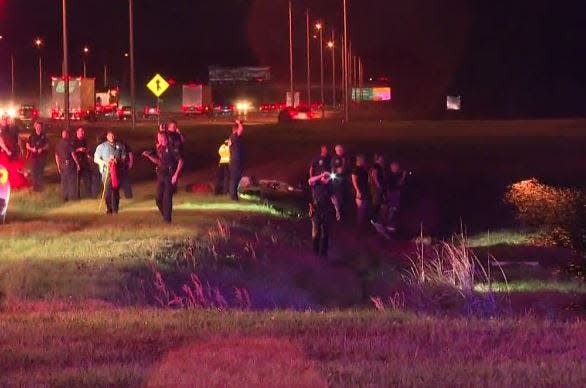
169, 162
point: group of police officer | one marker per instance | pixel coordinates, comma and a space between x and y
335, 181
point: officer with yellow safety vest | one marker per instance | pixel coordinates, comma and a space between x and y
223, 174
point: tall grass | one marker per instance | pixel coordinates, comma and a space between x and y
447, 276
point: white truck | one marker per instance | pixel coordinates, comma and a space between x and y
82, 104
197, 99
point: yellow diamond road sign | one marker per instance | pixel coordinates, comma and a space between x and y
158, 85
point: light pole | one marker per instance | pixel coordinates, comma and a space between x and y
39, 43
292, 91
131, 38
308, 61
85, 51
319, 26
65, 64
11, 72
345, 55
332, 46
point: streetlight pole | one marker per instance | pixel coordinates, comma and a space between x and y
345, 55
105, 76
132, 83
65, 63
39, 43
332, 46
319, 27
308, 61
86, 50
292, 91
12, 77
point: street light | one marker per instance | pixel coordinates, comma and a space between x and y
11, 72
319, 26
308, 60
65, 72
39, 43
332, 46
131, 55
86, 51
345, 55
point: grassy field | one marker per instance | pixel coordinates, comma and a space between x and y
353, 348
78, 289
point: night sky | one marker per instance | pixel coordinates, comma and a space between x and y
518, 58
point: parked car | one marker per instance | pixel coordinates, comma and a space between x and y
224, 110
28, 112
295, 114
124, 112
150, 112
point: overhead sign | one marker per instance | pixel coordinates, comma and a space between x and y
382, 93
239, 74
158, 85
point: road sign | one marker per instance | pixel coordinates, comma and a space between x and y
158, 85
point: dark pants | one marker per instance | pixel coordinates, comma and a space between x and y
320, 231
85, 180
38, 169
235, 176
125, 183
222, 179
112, 197
362, 211
165, 190
68, 182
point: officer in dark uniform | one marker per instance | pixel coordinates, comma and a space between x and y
67, 166
176, 139
341, 185
169, 162
125, 167
37, 146
320, 208
236, 158
321, 163
82, 154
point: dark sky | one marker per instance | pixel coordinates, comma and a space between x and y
506, 57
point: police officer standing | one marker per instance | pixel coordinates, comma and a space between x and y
341, 185
320, 208
107, 156
68, 167
321, 163
169, 162
176, 139
236, 158
82, 154
37, 146
223, 174
124, 169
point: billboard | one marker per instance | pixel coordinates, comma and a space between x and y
239, 74
382, 93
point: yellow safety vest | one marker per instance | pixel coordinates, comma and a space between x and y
224, 152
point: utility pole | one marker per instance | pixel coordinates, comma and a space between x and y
321, 61
333, 47
291, 87
65, 64
345, 55
132, 79
308, 61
